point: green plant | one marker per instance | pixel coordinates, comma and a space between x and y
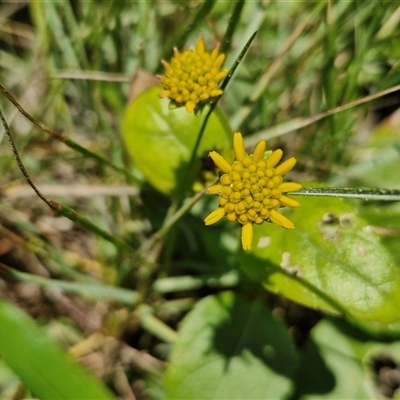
309, 312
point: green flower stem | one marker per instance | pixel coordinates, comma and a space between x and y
354, 193
154, 325
223, 86
174, 217
211, 109
154, 245
67, 140
96, 291
181, 283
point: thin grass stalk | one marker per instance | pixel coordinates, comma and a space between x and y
65, 139
56, 206
21, 165
271, 69
375, 194
183, 283
171, 220
96, 291
298, 123
233, 22
90, 226
155, 326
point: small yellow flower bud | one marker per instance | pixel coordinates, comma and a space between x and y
192, 77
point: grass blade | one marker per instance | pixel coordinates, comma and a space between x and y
42, 365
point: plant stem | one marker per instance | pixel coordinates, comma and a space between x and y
95, 291
354, 193
211, 109
19, 161
182, 283
56, 206
85, 223
155, 326
65, 139
175, 217
233, 21
298, 123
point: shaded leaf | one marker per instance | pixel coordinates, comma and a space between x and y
330, 368
229, 348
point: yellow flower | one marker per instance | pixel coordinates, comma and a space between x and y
251, 189
192, 77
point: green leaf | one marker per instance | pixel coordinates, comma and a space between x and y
385, 219
160, 141
229, 348
42, 365
330, 367
332, 261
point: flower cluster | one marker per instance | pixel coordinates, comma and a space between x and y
192, 77
251, 189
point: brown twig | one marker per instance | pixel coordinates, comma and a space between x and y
21, 164
64, 138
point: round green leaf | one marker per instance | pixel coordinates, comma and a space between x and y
160, 141
331, 261
42, 365
229, 348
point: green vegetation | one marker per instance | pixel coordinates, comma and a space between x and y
116, 270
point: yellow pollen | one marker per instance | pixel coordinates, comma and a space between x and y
235, 197
243, 218
227, 191
225, 180
240, 208
229, 208
223, 201
247, 161
232, 216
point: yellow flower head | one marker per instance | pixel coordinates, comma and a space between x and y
192, 77
251, 188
